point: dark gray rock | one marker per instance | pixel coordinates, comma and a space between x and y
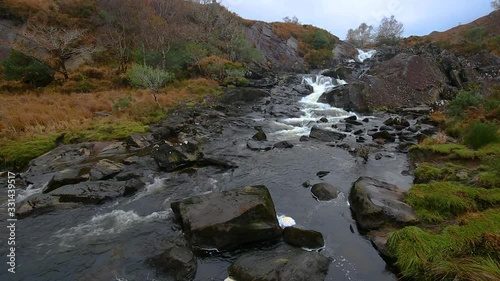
304, 138
172, 157
139, 140
324, 191
226, 220
323, 120
283, 145
177, 261
40, 203
93, 192
105, 169
259, 145
385, 135
308, 239
375, 204
353, 122
260, 136
307, 184
65, 177
397, 121
284, 263
302, 90
127, 175
244, 95
322, 173
325, 135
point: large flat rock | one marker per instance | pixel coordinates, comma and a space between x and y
284, 263
226, 220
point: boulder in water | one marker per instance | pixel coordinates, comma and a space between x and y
283, 263
226, 220
172, 157
375, 203
308, 239
260, 136
91, 192
177, 261
324, 191
283, 145
259, 145
325, 135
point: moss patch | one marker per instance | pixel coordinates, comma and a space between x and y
106, 131
428, 172
453, 151
439, 201
466, 252
16, 154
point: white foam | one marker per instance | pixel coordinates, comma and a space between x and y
285, 221
157, 186
29, 191
362, 55
107, 224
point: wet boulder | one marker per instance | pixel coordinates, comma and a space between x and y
260, 136
259, 145
283, 263
375, 204
244, 95
283, 145
325, 135
324, 191
92, 192
139, 140
40, 203
65, 177
384, 135
397, 121
177, 261
302, 90
172, 157
226, 220
308, 239
105, 169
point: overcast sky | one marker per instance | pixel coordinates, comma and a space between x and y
420, 17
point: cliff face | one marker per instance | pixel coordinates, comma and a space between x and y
280, 54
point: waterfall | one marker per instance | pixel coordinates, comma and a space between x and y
312, 110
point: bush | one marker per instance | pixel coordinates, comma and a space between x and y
218, 68
21, 67
464, 100
318, 58
122, 103
476, 34
148, 77
480, 134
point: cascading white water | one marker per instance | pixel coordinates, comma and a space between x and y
312, 109
362, 55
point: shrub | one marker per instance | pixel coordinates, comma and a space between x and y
479, 134
19, 66
122, 103
476, 34
464, 100
218, 68
318, 58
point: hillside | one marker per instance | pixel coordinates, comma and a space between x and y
481, 34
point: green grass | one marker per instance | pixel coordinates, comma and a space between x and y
16, 154
106, 131
469, 251
480, 134
440, 201
428, 172
454, 151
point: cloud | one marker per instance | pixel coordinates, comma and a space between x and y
420, 17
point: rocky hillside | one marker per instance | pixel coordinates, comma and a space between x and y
479, 35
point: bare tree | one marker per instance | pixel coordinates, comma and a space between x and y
495, 4
389, 31
293, 19
55, 45
361, 36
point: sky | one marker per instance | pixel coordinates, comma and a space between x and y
420, 17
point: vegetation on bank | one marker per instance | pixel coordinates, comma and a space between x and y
456, 196
79, 66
